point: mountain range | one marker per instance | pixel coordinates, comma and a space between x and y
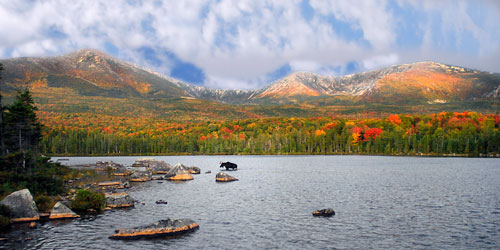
90, 73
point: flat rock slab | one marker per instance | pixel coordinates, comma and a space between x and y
61, 211
121, 172
327, 212
161, 228
22, 206
109, 183
181, 177
160, 172
141, 179
106, 185
223, 177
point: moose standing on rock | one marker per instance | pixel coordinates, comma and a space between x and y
229, 165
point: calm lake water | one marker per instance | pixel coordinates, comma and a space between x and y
380, 202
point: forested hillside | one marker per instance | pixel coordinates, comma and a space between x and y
466, 133
94, 104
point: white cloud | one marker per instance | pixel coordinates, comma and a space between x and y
380, 61
369, 15
238, 43
301, 65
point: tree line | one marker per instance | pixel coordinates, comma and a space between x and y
467, 133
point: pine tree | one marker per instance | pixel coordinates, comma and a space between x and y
2, 144
22, 130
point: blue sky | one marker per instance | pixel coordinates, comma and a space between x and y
249, 43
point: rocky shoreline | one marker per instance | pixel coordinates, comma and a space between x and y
113, 181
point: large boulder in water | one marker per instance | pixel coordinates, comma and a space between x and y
61, 211
179, 173
194, 170
22, 206
161, 228
119, 200
159, 167
223, 177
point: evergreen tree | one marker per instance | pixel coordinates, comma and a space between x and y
21, 126
2, 144
22, 131
21, 166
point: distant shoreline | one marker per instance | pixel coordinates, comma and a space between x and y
295, 154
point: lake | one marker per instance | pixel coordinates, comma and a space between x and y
380, 202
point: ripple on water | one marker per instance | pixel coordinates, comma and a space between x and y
380, 202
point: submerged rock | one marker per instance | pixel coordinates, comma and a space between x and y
223, 177
22, 206
161, 202
327, 212
179, 173
61, 211
161, 228
119, 200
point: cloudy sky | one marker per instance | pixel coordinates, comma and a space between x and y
247, 44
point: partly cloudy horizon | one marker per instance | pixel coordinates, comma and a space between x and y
248, 44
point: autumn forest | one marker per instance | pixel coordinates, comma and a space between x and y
445, 133
93, 104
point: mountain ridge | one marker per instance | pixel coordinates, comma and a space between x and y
92, 72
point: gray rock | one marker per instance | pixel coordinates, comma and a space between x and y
179, 173
223, 177
159, 167
103, 166
194, 170
61, 211
152, 165
177, 170
22, 206
161, 228
121, 171
140, 176
119, 200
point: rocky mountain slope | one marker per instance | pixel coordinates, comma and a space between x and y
417, 82
89, 73
93, 73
